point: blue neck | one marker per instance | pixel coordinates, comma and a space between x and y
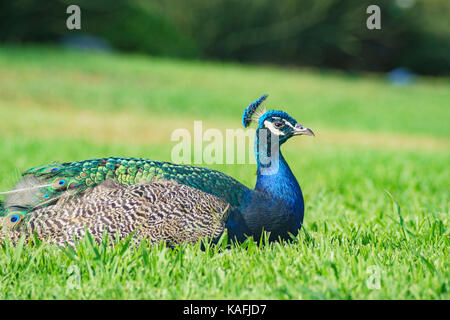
279, 183
276, 203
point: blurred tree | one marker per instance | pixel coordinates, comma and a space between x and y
126, 25
415, 34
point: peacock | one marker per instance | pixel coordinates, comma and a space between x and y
162, 201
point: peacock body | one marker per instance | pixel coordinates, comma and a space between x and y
163, 210
92, 194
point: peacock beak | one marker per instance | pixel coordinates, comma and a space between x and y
300, 130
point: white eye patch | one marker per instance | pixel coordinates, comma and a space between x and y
269, 125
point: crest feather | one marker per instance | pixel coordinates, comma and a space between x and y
253, 111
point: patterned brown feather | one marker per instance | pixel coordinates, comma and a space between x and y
158, 211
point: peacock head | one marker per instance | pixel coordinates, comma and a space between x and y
275, 123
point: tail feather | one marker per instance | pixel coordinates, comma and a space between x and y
25, 189
24, 193
2, 209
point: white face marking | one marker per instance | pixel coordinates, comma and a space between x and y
288, 123
269, 125
284, 121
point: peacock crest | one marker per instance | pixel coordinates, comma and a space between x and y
254, 111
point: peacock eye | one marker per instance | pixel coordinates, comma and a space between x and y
14, 219
59, 184
278, 124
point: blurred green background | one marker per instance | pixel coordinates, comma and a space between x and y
415, 34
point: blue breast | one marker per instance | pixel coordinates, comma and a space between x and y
275, 205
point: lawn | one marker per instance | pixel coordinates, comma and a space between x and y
376, 178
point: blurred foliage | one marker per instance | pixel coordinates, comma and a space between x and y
126, 25
415, 34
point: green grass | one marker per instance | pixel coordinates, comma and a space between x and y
373, 140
